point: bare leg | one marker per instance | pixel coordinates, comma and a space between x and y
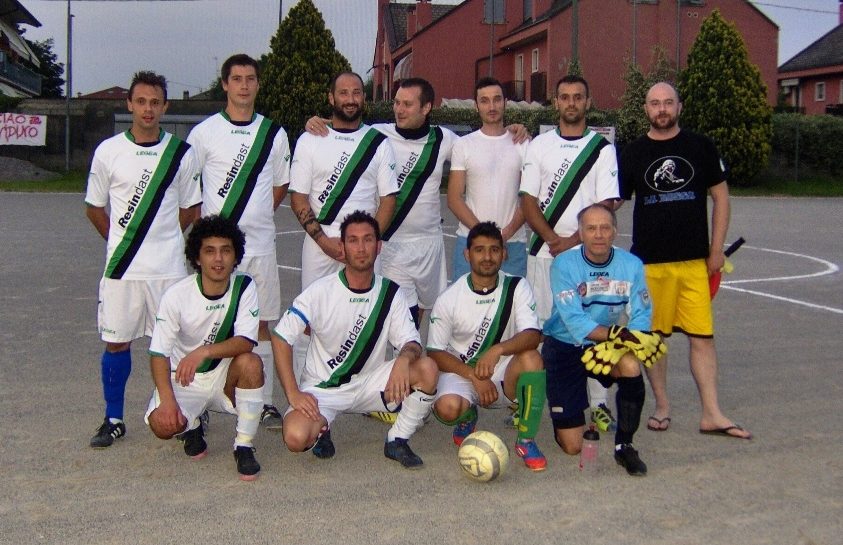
657, 374
703, 358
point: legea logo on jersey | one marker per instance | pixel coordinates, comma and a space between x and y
669, 174
147, 153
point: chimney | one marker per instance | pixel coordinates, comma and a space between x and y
424, 13
185, 95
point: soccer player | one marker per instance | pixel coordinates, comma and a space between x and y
352, 169
483, 336
484, 180
594, 285
201, 351
150, 181
245, 162
565, 170
353, 315
672, 171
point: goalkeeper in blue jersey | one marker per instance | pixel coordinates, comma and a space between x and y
595, 286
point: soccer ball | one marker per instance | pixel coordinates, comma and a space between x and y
483, 456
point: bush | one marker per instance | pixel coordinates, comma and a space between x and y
820, 140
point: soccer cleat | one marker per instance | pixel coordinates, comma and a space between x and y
384, 416
602, 418
271, 418
247, 466
194, 443
324, 447
399, 450
627, 457
107, 433
463, 430
528, 450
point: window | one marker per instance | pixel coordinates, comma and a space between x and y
493, 12
519, 68
534, 61
528, 9
819, 91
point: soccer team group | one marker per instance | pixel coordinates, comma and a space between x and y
545, 321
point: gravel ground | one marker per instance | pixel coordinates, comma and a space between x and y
17, 170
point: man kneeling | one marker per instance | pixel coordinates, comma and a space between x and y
353, 315
483, 336
201, 349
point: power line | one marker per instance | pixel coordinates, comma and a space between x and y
812, 10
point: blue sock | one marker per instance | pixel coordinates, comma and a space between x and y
116, 367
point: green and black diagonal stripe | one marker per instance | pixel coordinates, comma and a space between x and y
415, 180
368, 338
226, 330
352, 172
569, 186
501, 319
147, 209
247, 178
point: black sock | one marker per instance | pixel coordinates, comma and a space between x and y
630, 402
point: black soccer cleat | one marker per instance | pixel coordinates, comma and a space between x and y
399, 450
324, 447
247, 466
627, 457
107, 433
194, 443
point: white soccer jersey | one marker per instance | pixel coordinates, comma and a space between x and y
466, 323
144, 187
492, 166
187, 319
418, 167
350, 330
566, 176
241, 164
343, 172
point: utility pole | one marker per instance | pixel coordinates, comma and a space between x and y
68, 89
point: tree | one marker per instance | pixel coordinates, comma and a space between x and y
632, 121
301, 62
52, 83
724, 98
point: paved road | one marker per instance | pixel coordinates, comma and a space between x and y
780, 376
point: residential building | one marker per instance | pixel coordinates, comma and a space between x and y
812, 81
17, 78
529, 44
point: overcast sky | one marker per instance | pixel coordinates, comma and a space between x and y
187, 40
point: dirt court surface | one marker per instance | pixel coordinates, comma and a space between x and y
779, 323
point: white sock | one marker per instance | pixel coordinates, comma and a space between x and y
264, 350
597, 393
249, 403
414, 410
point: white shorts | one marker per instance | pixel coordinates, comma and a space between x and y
362, 394
538, 275
264, 270
206, 392
452, 383
315, 264
126, 308
418, 266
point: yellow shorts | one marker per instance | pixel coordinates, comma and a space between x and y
681, 299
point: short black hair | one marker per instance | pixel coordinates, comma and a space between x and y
240, 59
359, 216
572, 78
487, 81
598, 206
333, 86
148, 78
213, 226
426, 94
487, 229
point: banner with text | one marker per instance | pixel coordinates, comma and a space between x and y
23, 130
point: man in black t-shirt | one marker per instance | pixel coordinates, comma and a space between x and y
671, 172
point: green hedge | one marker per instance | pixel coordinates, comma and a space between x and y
820, 140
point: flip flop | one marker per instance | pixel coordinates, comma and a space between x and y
726, 432
659, 423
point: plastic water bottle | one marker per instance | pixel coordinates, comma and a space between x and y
590, 448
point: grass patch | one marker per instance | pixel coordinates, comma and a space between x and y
777, 184
69, 182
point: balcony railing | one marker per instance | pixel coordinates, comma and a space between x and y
514, 90
19, 76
